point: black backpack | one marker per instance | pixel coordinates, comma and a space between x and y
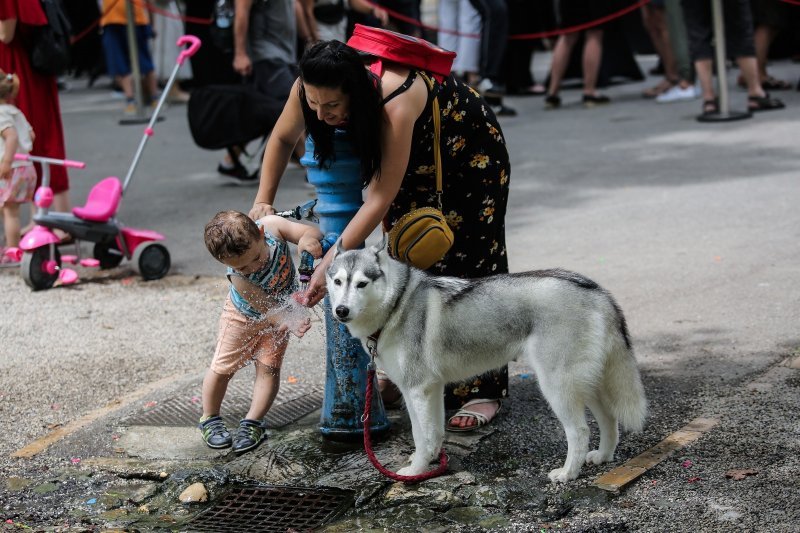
221, 116
50, 46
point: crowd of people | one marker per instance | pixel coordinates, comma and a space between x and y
291, 52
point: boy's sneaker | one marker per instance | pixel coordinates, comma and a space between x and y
251, 433
215, 434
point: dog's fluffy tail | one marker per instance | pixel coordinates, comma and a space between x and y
623, 386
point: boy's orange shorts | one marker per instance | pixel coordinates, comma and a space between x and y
242, 339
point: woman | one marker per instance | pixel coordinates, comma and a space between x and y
390, 127
38, 96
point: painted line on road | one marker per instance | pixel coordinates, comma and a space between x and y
41, 444
614, 480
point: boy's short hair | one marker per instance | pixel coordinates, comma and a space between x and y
230, 234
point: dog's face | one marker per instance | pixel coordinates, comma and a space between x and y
356, 281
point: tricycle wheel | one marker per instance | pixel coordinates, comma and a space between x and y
108, 253
151, 260
34, 268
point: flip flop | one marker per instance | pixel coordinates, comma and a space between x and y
480, 419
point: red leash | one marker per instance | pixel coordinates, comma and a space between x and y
368, 442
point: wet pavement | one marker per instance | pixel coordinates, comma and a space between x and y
693, 227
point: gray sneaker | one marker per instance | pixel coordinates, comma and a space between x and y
215, 434
251, 433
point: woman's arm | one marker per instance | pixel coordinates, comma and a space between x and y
241, 27
368, 9
8, 28
284, 137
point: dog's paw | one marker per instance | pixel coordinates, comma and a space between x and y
560, 475
594, 457
409, 471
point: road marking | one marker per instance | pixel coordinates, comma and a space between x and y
616, 479
41, 444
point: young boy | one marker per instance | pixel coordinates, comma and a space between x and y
262, 278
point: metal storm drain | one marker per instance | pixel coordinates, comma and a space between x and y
293, 402
270, 508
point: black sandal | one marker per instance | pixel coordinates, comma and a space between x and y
710, 107
552, 101
763, 103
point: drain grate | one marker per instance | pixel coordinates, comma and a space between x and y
270, 508
293, 402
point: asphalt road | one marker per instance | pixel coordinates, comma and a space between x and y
693, 227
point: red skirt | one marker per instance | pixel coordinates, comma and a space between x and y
38, 101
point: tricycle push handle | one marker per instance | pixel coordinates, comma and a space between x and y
194, 44
50, 161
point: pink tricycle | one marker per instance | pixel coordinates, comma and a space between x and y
42, 264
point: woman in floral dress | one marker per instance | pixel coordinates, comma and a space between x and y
389, 123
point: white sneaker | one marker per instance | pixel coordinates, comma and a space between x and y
676, 94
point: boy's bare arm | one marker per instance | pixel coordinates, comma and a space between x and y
304, 236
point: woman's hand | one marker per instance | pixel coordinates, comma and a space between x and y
261, 209
316, 286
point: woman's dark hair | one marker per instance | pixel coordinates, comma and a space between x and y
334, 65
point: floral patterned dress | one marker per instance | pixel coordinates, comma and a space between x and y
475, 179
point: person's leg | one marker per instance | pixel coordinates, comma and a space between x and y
126, 84
494, 37
704, 69
61, 202
11, 223
678, 39
560, 61
150, 84
265, 388
655, 23
469, 48
213, 392
592, 55
762, 38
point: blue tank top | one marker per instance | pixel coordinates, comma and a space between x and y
277, 278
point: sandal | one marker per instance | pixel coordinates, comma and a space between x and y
710, 107
774, 84
662, 87
480, 419
763, 103
552, 101
390, 395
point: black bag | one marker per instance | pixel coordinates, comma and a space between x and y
221, 116
331, 13
50, 46
221, 27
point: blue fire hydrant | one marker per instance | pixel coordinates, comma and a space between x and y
339, 197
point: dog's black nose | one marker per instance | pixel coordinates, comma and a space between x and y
342, 311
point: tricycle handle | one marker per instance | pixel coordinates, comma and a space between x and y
50, 161
193, 42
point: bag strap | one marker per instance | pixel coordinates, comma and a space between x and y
437, 146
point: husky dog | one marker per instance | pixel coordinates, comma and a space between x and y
433, 330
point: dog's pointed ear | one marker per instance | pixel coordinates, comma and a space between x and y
378, 248
338, 248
